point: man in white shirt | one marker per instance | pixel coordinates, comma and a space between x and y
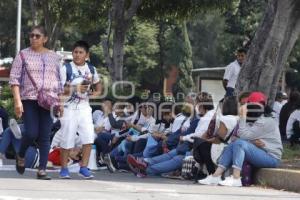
232, 72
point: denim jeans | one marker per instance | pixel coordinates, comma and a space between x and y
9, 138
152, 148
235, 154
229, 92
38, 124
102, 142
164, 163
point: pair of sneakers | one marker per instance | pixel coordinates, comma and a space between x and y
105, 159
229, 181
84, 172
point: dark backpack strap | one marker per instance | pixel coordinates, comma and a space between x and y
92, 70
69, 71
137, 118
91, 67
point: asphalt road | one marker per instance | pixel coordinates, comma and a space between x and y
123, 186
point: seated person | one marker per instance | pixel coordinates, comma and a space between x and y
259, 143
292, 127
172, 160
225, 127
12, 135
107, 139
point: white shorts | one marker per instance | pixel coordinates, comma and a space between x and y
77, 121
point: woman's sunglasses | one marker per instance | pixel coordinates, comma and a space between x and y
37, 36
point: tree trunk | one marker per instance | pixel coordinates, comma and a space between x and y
33, 12
118, 52
52, 27
121, 18
271, 47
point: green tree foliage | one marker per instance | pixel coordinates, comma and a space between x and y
141, 52
179, 54
209, 42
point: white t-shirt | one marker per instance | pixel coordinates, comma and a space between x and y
201, 127
145, 122
178, 122
295, 116
232, 73
277, 108
100, 120
79, 74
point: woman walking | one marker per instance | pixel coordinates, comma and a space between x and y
35, 73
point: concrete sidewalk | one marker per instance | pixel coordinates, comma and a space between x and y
281, 179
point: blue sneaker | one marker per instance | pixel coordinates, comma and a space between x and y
85, 173
64, 173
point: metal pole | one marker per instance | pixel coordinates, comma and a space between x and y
18, 36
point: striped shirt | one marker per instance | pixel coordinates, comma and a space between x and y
35, 64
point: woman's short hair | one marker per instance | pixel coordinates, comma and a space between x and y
41, 29
230, 106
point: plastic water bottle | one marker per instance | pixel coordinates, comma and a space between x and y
92, 160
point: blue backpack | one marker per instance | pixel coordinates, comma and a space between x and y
70, 72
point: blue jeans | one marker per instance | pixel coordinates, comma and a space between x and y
164, 163
102, 142
235, 154
152, 148
229, 92
9, 138
38, 124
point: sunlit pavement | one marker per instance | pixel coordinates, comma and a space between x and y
123, 186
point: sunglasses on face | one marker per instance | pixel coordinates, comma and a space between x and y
37, 36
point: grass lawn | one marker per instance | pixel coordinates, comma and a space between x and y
291, 157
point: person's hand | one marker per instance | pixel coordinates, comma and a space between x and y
233, 138
19, 109
84, 88
129, 138
114, 140
99, 129
211, 140
156, 135
60, 111
258, 143
181, 139
243, 111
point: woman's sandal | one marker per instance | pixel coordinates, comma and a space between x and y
20, 164
42, 175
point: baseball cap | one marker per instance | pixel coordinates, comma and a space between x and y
257, 97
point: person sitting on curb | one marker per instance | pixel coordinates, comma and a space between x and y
259, 144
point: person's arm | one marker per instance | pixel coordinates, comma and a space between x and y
15, 78
201, 128
225, 82
97, 91
250, 132
226, 76
116, 124
17, 101
97, 86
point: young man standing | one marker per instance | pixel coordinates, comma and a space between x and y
78, 77
232, 72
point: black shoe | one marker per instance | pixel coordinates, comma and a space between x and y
20, 164
42, 175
